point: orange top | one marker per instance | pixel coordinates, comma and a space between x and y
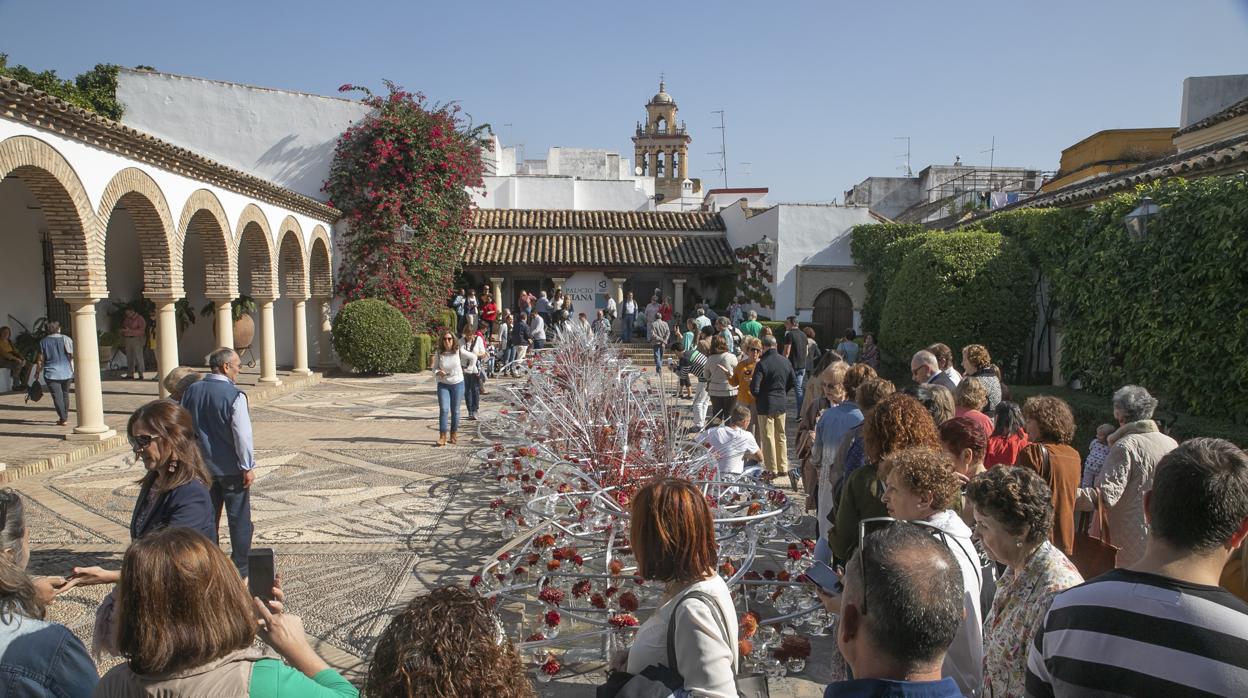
741, 376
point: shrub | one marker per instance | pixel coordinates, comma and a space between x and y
867, 244
422, 346
447, 319
1166, 312
961, 288
372, 336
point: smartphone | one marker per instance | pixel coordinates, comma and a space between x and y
260, 573
826, 577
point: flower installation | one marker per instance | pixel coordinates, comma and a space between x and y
580, 434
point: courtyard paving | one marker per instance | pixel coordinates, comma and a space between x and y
362, 512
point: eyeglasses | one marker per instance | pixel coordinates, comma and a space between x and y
879, 523
142, 441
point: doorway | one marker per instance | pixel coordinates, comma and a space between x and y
833, 314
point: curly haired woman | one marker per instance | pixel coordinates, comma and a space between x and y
897, 422
446, 643
1051, 427
977, 363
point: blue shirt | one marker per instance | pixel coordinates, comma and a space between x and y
849, 350
44, 660
884, 688
56, 350
835, 424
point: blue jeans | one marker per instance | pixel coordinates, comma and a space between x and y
472, 392
799, 387
538, 344
60, 397
449, 395
627, 331
228, 490
658, 358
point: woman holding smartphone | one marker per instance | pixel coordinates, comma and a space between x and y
447, 364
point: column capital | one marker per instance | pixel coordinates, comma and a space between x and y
558, 279
619, 279
82, 300
264, 299
162, 300
497, 280
680, 281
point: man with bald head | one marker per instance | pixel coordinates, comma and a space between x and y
223, 424
900, 611
924, 368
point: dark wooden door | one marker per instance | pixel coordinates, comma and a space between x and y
833, 314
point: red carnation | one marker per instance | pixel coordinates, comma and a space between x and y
551, 595
628, 601
623, 620
551, 667
552, 618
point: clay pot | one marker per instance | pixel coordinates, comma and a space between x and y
244, 332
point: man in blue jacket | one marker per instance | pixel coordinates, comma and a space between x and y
223, 424
770, 385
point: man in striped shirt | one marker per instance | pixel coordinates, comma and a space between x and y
1161, 627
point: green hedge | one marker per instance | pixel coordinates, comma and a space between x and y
447, 319
422, 347
1169, 311
960, 288
372, 336
868, 244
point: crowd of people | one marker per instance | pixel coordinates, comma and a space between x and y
953, 516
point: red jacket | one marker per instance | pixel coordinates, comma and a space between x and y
1003, 450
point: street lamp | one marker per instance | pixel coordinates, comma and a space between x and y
1137, 220
768, 247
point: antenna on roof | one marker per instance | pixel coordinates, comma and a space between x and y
909, 172
992, 154
723, 146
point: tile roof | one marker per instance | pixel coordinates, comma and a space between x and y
23, 103
1221, 157
489, 249
1237, 109
563, 219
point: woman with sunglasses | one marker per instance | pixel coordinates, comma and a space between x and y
751, 349
174, 488
447, 364
920, 487
1013, 519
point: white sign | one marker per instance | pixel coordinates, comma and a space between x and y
588, 291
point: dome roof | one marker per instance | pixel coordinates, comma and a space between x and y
662, 97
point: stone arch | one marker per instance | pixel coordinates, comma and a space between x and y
292, 260
253, 235
204, 215
142, 198
73, 228
320, 265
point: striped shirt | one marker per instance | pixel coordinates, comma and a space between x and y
1129, 633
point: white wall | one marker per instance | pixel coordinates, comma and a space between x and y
284, 137
21, 257
811, 234
565, 193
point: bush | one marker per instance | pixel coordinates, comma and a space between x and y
1166, 312
422, 346
867, 244
447, 319
372, 336
960, 288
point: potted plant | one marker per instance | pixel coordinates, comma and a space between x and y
241, 309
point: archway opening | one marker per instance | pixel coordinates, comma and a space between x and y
254, 281
204, 256
833, 314
292, 286
27, 263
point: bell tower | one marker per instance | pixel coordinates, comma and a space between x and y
661, 147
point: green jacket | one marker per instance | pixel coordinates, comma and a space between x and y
752, 327
860, 499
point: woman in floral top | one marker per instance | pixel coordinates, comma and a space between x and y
1013, 517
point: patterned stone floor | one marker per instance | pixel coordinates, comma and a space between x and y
362, 512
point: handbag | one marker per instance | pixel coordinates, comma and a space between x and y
660, 681
1095, 556
34, 392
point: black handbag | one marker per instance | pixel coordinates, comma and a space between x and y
659, 681
34, 393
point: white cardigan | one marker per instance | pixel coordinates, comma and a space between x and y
704, 661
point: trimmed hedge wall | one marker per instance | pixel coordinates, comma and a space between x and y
422, 347
867, 244
372, 336
960, 288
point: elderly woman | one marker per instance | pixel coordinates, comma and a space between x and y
719, 369
969, 399
965, 442
851, 454
1050, 429
897, 422
977, 363
177, 380
834, 423
1127, 475
920, 486
1013, 518
936, 399
751, 349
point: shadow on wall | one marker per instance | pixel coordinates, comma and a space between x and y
301, 168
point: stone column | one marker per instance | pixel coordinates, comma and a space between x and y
684, 166
324, 341
166, 341
619, 292
496, 286
88, 395
678, 301
268, 344
224, 320
299, 306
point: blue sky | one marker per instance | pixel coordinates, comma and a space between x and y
814, 92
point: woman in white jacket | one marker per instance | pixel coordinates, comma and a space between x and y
920, 487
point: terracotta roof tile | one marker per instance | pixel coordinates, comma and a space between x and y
489, 249
563, 219
21, 102
1237, 109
